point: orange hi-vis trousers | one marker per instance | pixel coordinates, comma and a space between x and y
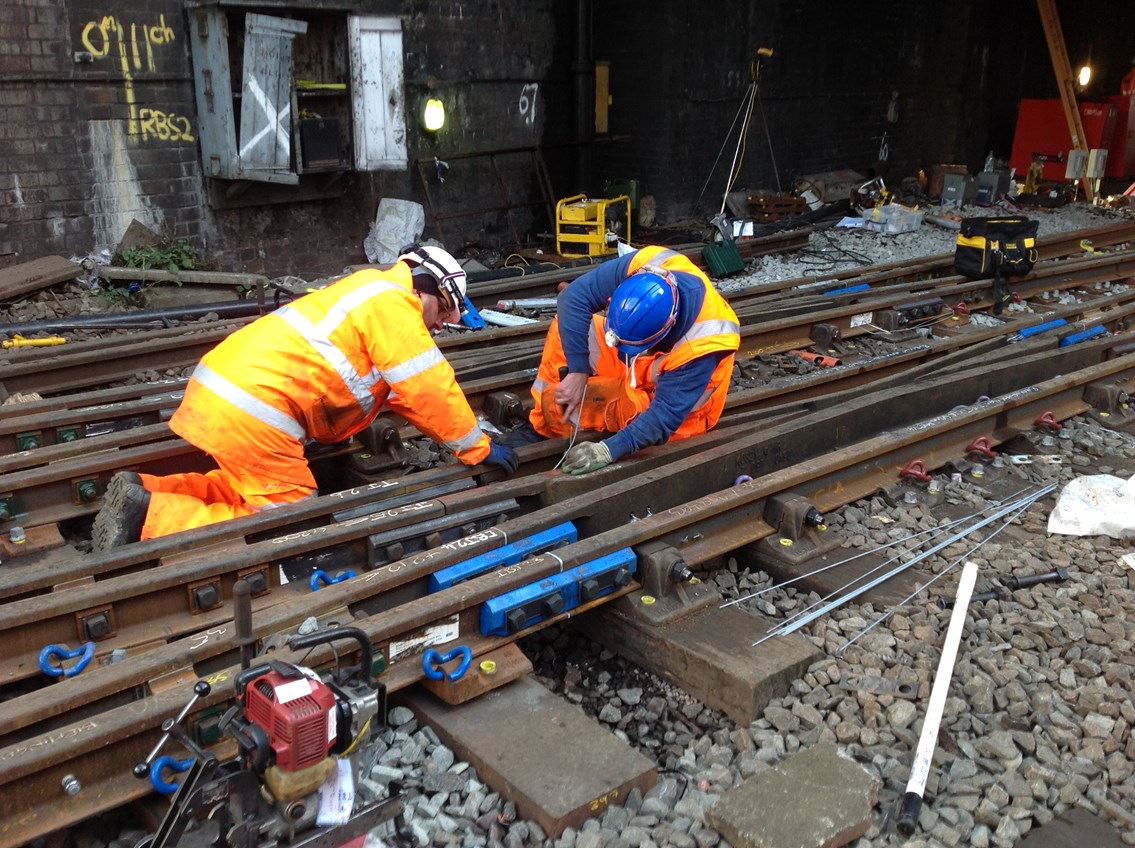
184, 501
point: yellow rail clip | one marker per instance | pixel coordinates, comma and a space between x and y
20, 341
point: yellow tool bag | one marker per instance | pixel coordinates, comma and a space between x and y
996, 247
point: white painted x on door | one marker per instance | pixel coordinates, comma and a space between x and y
265, 148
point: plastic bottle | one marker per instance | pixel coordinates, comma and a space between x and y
989, 163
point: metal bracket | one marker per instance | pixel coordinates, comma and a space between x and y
382, 448
669, 589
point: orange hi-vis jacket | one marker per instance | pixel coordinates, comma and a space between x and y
715, 329
322, 368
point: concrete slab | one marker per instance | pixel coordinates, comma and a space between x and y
816, 799
559, 766
708, 653
1074, 829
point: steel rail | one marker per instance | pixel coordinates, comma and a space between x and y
33, 371
139, 603
514, 349
65, 481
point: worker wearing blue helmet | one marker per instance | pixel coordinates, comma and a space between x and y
655, 367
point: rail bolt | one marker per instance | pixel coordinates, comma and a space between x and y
86, 490
7, 509
28, 441
67, 434
207, 596
515, 619
71, 785
96, 626
257, 582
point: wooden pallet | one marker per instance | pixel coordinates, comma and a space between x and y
775, 207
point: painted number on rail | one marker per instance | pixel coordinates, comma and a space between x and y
198, 640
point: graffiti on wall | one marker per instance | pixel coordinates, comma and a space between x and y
527, 105
133, 46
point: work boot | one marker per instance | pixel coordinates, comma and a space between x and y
525, 434
123, 512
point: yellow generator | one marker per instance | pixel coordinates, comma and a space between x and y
592, 226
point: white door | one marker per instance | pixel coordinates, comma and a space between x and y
379, 102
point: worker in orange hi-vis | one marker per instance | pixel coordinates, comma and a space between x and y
320, 368
656, 367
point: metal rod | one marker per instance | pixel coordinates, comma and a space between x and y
935, 578
854, 593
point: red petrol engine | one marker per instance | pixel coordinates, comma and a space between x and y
298, 714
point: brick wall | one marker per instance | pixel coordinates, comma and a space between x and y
98, 129
98, 122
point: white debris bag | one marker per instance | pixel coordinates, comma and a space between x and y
1099, 505
396, 224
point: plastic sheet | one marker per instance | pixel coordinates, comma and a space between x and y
1100, 505
396, 224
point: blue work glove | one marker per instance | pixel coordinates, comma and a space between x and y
503, 456
588, 457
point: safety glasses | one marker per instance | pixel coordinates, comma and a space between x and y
449, 294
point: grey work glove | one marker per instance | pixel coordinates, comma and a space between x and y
588, 457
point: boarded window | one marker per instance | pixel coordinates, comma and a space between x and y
266, 99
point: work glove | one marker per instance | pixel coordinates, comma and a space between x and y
588, 457
503, 456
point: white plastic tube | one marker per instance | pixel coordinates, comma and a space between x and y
920, 769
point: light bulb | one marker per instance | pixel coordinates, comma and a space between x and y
433, 115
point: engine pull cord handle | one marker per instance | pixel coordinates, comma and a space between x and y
200, 689
60, 653
322, 637
320, 578
432, 662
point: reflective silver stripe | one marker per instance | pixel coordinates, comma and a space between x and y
413, 366
539, 385
593, 348
699, 330
662, 255
469, 440
702, 400
713, 327
242, 400
319, 337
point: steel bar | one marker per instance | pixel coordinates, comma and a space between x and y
1022, 507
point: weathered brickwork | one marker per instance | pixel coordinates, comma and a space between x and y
97, 110
99, 124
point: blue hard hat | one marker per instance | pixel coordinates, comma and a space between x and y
642, 311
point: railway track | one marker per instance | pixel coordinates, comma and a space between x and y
685, 496
64, 450
159, 614
93, 365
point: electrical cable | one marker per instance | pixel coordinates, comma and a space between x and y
768, 140
729, 132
